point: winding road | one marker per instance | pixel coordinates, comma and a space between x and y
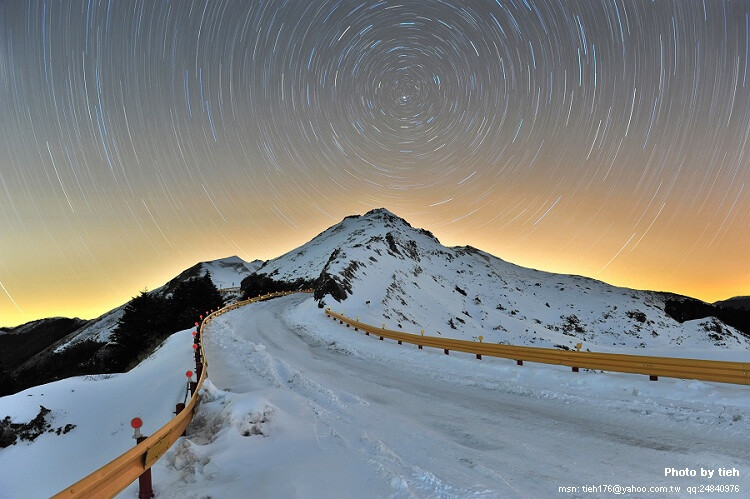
378, 419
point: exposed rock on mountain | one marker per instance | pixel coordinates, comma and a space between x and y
380, 268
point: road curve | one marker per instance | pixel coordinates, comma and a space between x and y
396, 420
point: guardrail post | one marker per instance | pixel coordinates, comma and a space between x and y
479, 356
445, 351
575, 369
198, 358
197, 355
653, 378
519, 362
178, 409
145, 488
193, 384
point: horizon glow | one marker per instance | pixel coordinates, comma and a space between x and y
604, 139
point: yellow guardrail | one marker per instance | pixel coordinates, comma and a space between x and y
672, 367
114, 476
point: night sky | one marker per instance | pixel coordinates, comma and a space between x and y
608, 139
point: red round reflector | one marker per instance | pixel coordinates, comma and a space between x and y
136, 422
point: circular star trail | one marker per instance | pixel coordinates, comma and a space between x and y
608, 139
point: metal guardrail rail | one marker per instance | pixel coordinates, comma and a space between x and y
116, 475
672, 367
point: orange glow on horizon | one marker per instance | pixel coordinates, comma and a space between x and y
52, 289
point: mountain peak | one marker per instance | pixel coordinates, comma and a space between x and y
227, 259
391, 220
381, 212
378, 214
375, 234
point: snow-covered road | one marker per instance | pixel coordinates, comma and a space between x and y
303, 406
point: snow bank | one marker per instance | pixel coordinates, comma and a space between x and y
101, 407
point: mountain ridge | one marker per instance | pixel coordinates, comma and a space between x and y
379, 267
735, 302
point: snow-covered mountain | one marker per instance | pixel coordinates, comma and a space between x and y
22, 342
225, 273
378, 267
33, 327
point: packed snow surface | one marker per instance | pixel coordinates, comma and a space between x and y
300, 406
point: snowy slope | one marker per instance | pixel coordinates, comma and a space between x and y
395, 274
300, 406
101, 408
99, 329
229, 272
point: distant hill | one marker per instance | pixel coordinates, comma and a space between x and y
20, 343
738, 302
225, 273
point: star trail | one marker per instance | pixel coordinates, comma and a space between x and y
603, 138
